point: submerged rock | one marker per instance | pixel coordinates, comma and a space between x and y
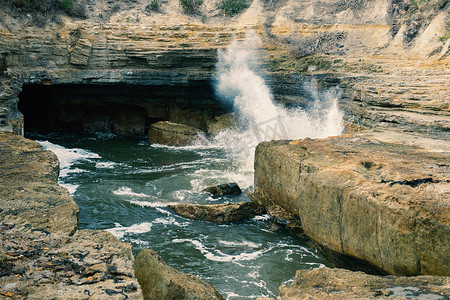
160, 281
224, 189
336, 284
173, 134
219, 213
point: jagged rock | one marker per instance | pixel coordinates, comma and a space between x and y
42, 254
334, 284
160, 281
173, 134
344, 191
219, 213
81, 52
224, 189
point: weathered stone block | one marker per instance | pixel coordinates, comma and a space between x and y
356, 196
81, 52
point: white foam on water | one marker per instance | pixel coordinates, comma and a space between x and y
156, 204
208, 177
240, 244
72, 188
127, 191
106, 165
140, 242
219, 255
170, 221
68, 156
239, 85
120, 231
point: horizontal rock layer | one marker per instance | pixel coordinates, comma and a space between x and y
385, 203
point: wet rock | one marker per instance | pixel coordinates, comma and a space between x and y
336, 284
222, 123
224, 189
161, 281
341, 189
173, 134
219, 213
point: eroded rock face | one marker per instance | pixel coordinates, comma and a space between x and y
42, 254
90, 264
173, 134
160, 281
343, 284
219, 213
352, 196
30, 194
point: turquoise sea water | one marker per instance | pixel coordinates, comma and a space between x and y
124, 186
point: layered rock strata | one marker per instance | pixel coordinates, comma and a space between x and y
385, 203
42, 252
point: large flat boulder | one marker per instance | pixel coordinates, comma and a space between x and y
385, 203
161, 281
219, 213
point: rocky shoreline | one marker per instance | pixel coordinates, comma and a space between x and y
42, 252
379, 194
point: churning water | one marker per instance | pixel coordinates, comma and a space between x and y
124, 186
240, 86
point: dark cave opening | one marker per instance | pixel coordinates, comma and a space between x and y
124, 110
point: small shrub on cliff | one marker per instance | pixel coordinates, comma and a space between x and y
43, 11
74, 8
446, 36
154, 5
191, 6
233, 7
327, 43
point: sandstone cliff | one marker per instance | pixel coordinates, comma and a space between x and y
390, 58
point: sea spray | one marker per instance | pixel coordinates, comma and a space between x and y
240, 86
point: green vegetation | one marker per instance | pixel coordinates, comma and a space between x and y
233, 7
42, 11
446, 36
115, 8
191, 6
154, 5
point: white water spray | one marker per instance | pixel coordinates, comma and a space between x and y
240, 86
